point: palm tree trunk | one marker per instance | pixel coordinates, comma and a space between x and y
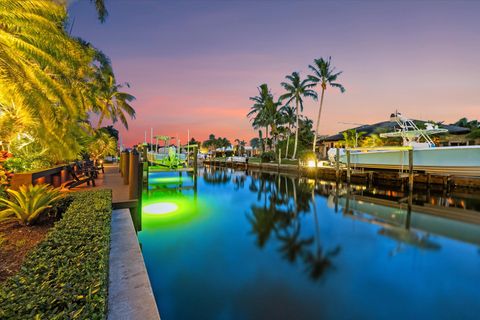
317, 227
318, 120
288, 142
295, 196
266, 136
296, 132
100, 120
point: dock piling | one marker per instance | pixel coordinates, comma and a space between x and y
337, 164
348, 167
133, 174
410, 169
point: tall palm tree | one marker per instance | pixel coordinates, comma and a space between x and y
297, 89
289, 119
262, 112
112, 103
274, 119
324, 75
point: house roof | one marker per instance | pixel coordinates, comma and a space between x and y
388, 126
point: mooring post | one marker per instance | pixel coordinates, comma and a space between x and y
122, 162
144, 154
409, 209
139, 196
348, 167
133, 174
337, 164
195, 160
369, 179
126, 167
410, 169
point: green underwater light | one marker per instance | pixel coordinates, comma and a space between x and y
160, 208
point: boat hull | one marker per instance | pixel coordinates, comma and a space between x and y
447, 160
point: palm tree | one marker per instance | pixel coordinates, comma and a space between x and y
351, 138
324, 74
101, 9
44, 71
289, 119
257, 112
297, 89
274, 118
112, 103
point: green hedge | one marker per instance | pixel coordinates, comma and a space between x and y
66, 276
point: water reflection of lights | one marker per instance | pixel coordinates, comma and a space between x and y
160, 208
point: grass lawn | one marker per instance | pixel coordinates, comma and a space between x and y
290, 161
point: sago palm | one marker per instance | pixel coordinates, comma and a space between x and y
324, 75
297, 89
28, 203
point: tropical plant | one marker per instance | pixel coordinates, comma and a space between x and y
102, 144
474, 134
324, 75
268, 156
372, 141
306, 133
264, 111
43, 72
30, 155
240, 146
289, 119
463, 122
255, 143
112, 132
352, 137
28, 203
50, 81
111, 102
101, 9
297, 89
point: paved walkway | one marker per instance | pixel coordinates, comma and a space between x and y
111, 179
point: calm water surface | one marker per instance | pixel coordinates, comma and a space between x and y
238, 245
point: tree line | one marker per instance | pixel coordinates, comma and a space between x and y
282, 117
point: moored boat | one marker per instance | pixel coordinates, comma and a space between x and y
459, 160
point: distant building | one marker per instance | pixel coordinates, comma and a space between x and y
456, 135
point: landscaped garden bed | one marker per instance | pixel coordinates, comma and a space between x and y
15, 243
66, 275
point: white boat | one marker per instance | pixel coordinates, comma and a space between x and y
459, 160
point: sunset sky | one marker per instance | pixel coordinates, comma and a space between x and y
194, 64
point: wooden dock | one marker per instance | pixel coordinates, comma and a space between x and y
113, 180
443, 180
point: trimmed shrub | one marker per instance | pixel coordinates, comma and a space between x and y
66, 276
268, 156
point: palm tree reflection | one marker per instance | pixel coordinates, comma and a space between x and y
216, 175
283, 205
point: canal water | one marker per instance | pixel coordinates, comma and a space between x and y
249, 245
